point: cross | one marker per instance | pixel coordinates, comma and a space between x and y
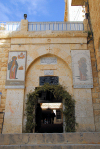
49, 50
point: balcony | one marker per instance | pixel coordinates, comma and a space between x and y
10, 26
43, 26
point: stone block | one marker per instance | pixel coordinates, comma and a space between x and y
95, 95
13, 110
96, 84
93, 90
94, 100
97, 112
92, 55
97, 125
98, 66
45, 40
1, 55
51, 139
2, 82
40, 138
4, 45
1, 49
4, 64
95, 80
5, 50
85, 24
99, 74
6, 55
96, 106
4, 59
4, 69
96, 119
97, 89
3, 101
24, 25
5, 40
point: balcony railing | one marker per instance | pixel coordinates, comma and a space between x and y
43, 26
10, 26
56, 26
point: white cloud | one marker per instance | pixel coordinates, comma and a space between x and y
13, 10
4, 17
33, 6
4, 12
4, 9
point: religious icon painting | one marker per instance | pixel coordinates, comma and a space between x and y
16, 70
81, 67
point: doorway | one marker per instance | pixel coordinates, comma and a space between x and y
48, 117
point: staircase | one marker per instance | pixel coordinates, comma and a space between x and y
50, 141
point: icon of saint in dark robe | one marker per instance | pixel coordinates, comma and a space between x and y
13, 66
82, 69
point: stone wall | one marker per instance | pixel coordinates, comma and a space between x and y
4, 49
94, 8
96, 88
46, 44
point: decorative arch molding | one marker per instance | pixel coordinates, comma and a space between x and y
62, 54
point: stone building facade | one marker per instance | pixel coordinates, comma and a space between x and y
94, 19
49, 44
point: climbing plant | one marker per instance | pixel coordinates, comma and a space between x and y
59, 93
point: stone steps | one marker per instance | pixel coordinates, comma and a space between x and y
50, 138
83, 140
53, 146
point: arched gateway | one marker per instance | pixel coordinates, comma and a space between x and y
52, 70
45, 112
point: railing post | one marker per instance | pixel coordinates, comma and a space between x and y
24, 25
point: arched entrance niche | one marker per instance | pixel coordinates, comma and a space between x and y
36, 70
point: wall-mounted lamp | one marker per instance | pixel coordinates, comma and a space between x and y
25, 16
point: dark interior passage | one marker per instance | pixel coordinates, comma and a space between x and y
48, 120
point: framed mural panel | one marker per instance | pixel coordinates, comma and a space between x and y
16, 69
81, 67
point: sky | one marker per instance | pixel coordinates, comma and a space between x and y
37, 10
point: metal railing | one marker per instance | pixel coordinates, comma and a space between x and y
10, 26
3, 121
43, 26
55, 26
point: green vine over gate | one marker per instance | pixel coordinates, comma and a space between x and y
59, 93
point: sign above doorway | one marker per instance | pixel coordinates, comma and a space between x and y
49, 79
